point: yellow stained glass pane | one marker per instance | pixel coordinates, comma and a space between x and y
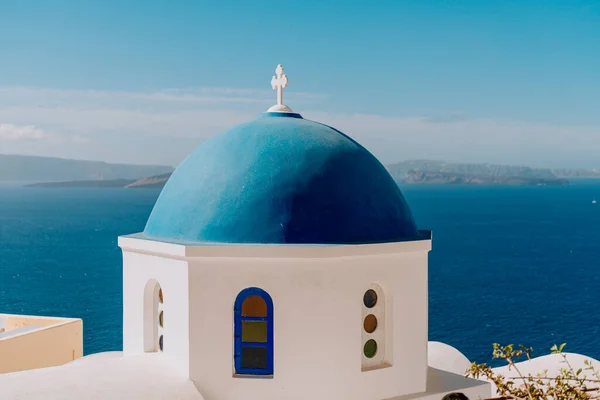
254, 306
254, 331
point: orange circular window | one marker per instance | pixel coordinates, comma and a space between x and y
370, 323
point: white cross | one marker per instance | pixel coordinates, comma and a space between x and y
278, 82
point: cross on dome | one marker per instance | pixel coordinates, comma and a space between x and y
279, 82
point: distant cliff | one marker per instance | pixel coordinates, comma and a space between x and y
424, 177
577, 173
400, 170
407, 172
441, 172
16, 168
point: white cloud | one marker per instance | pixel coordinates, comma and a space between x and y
469, 140
80, 139
169, 123
81, 99
18, 133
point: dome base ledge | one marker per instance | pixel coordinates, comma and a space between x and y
280, 108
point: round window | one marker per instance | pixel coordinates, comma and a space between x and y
370, 323
370, 298
160, 343
160, 296
370, 348
160, 319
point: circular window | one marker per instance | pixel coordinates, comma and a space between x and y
160, 343
370, 298
370, 348
160, 296
370, 323
160, 319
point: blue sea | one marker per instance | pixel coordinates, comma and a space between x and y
510, 264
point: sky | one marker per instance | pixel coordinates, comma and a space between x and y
147, 81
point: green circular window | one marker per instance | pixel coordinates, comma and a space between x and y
370, 323
370, 298
370, 348
160, 343
160, 319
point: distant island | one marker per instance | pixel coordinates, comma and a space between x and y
112, 183
17, 168
157, 181
150, 182
441, 172
411, 172
427, 177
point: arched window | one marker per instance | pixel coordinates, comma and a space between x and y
153, 317
253, 333
161, 326
373, 329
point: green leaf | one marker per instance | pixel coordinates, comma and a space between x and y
562, 346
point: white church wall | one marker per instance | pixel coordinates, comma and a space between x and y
318, 323
140, 272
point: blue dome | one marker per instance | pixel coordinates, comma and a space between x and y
281, 179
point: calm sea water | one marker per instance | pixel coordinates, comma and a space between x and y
509, 264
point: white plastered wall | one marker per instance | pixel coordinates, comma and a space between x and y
172, 275
317, 293
317, 323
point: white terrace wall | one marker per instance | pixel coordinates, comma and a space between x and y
56, 342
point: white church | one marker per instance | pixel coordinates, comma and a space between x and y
281, 261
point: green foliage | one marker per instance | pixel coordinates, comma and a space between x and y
568, 384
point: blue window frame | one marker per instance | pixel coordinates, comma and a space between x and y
253, 332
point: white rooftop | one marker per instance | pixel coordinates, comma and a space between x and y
100, 376
146, 376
